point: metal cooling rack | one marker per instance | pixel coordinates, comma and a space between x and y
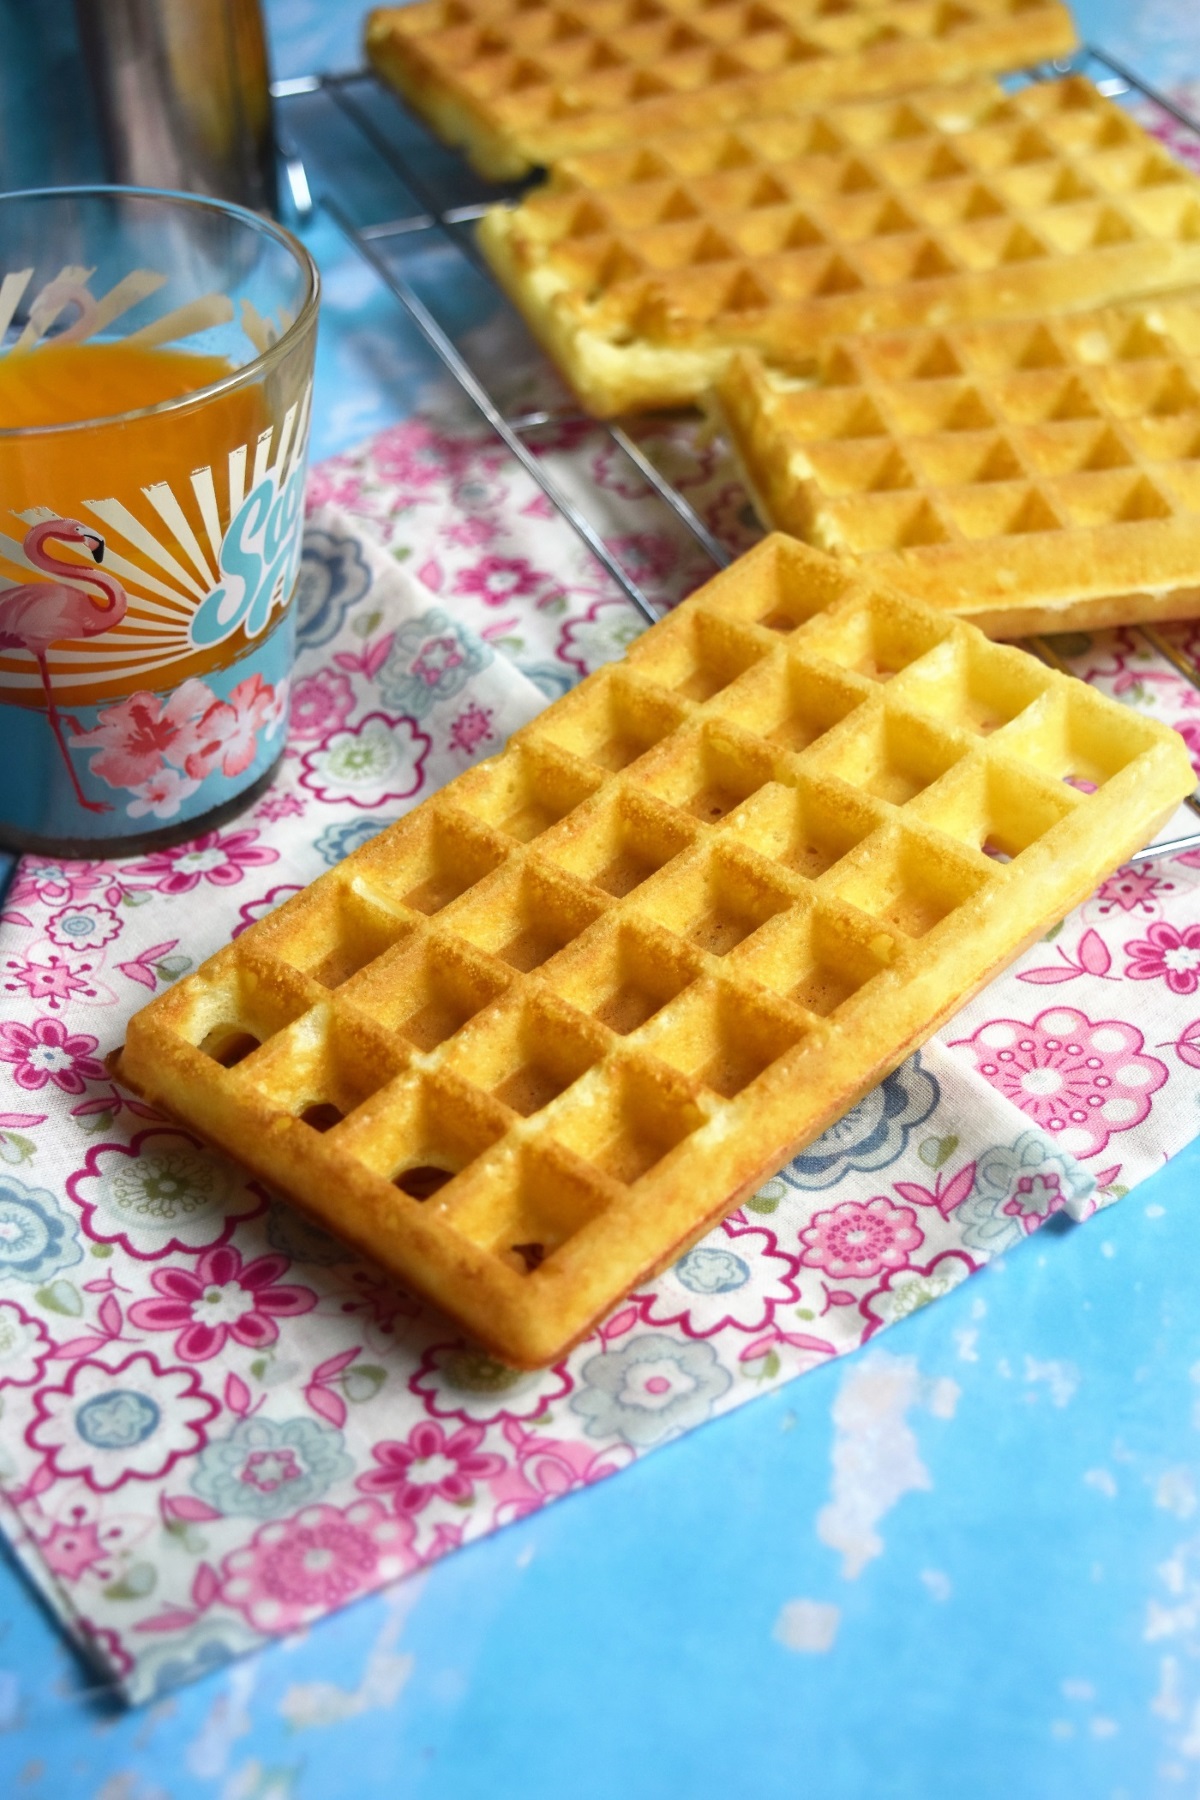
398, 192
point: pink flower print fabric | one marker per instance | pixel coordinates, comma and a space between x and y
223, 1298
1166, 954
860, 1240
290, 1573
432, 1464
1080, 1079
45, 1051
219, 1422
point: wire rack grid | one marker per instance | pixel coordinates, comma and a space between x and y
424, 193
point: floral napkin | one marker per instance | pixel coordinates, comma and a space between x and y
218, 1423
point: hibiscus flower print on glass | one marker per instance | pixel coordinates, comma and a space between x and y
180, 752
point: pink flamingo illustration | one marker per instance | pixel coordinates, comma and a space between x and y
41, 613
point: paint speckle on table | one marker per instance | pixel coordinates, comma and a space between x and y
876, 1460
807, 1625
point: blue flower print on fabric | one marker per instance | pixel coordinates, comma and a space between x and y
709, 1271
37, 1237
302, 1241
651, 1389
188, 1655
551, 678
339, 841
873, 1133
431, 659
1018, 1185
267, 1467
332, 578
117, 1421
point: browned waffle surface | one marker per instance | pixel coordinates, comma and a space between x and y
533, 1040
519, 83
1031, 475
640, 269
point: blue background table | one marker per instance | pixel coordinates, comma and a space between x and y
1019, 1466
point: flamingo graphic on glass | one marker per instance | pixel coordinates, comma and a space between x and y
41, 613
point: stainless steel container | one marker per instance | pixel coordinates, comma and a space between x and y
183, 93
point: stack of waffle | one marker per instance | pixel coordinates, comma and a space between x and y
742, 198
523, 83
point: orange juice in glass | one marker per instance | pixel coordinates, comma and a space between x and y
156, 360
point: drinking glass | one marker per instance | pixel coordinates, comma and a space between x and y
150, 517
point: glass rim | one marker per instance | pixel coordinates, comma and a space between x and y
249, 372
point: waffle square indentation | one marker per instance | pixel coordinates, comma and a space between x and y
433, 1127
525, 1055
791, 703
877, 640
427, 992
628, 977
621, 842
324, 1066
893, 757
716, 902
629, 1119
908, 883
724, 1038
432, 858
1068, 735
332, 936
696, 655
708, 773
524, 794
525, 917
229, 1011
610, 721
809, 828
996, 808
973, 685
818, 957
524, 1209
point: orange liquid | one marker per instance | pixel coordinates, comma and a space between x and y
62, 384
120, 459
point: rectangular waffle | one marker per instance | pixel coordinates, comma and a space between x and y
518, 83
640, 269
1029, 475
532, 1041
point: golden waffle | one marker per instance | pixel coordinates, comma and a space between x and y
640, 269
533, 1040
1028, 475
523, 82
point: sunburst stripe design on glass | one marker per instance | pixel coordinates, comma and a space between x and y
163, 543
